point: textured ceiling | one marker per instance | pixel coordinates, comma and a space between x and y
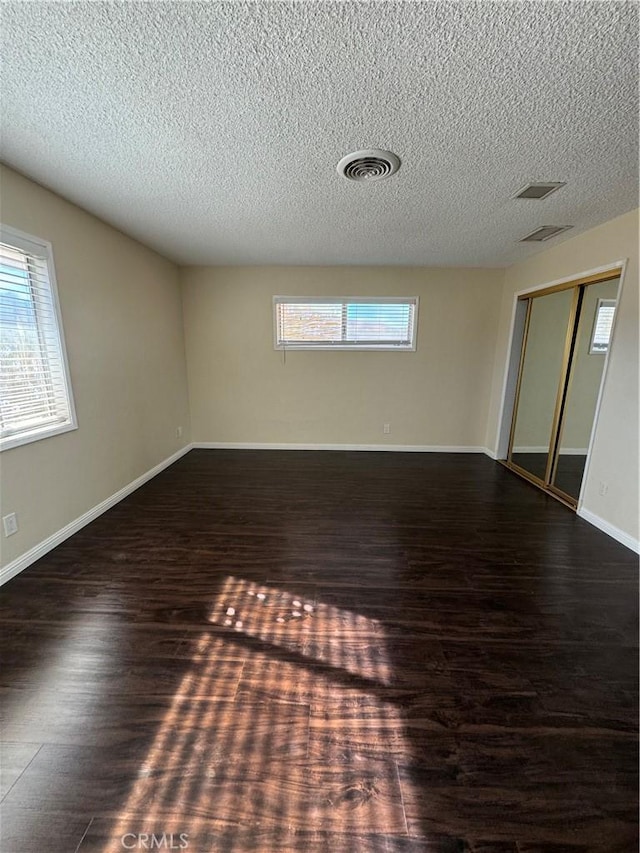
211, 131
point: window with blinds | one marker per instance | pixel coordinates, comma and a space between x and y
356, 323
602, 326
35, 392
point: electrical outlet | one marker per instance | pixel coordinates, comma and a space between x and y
179, 432
10, 524
386, 429
603, 488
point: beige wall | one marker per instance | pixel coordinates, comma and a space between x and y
242, 390
615, 452
122, 319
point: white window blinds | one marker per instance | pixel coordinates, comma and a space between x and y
350, 323
602, 325
35, 396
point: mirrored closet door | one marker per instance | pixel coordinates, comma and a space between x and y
540, 372
567, 335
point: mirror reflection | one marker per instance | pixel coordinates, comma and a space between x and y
592, 343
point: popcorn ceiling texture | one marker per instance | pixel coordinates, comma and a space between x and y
211, 131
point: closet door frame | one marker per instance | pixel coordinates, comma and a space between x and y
510, 401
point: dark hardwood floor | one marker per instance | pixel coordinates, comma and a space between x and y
328, 653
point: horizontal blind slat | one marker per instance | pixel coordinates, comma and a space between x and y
30, 425
367, 322
33, 386
37, 394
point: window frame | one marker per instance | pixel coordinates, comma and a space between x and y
608, 303
42, 249
382, 346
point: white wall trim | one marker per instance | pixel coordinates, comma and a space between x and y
510, 378
564, 451
397, 448
21, 563
609, 529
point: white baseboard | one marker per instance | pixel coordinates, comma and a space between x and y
396, 448
20, 563
491, 453
564, 451
609, 529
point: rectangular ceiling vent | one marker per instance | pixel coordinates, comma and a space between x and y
546, 232
539, 191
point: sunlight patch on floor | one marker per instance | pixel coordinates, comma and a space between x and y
248, 759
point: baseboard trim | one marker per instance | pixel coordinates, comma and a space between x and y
21, 563
394, 448
610, 529
564, 451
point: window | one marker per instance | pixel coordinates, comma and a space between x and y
357, 323
602, 326
35, 391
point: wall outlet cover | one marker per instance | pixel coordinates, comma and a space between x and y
10, 524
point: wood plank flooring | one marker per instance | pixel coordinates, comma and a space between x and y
269, 652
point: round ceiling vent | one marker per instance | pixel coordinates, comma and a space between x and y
371, 164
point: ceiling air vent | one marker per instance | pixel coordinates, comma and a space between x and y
370, 164
539, 191
546, 232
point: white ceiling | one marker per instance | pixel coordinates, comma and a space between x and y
211, 131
